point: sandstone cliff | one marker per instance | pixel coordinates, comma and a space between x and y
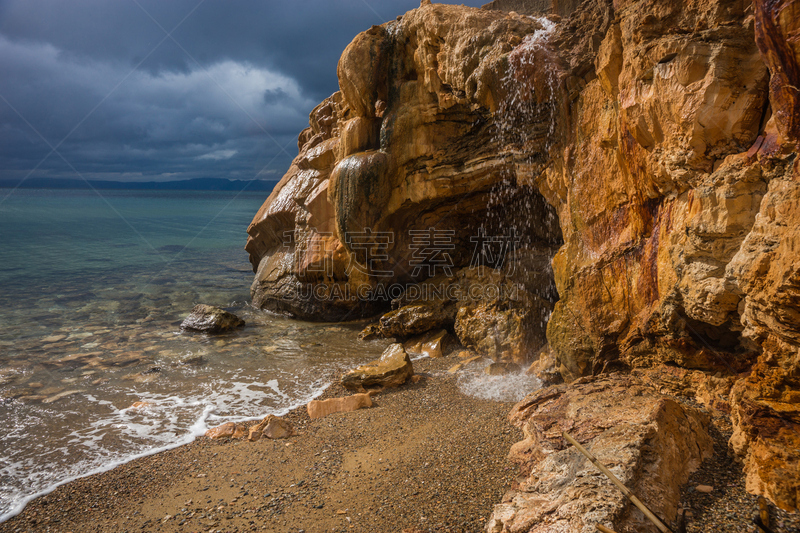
646, 150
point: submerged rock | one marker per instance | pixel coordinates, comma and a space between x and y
391, 370
210, 319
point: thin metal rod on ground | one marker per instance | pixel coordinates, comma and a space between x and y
632, 497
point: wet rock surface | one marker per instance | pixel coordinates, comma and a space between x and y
210, 319
648, 148
393, 369
406, 464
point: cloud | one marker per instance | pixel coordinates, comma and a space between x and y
153, 123
226, 98
219, 155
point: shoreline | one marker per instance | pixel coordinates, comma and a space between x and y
426, 442
426, 457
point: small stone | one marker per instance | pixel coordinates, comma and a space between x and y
60, 395
227, 430
210, 319
704, 488
271, 427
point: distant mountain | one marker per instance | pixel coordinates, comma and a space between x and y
197, 184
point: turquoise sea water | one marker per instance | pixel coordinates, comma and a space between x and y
93, 288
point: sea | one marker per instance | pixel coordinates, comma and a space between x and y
94, 368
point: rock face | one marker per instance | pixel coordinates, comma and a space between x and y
408, 173
623, 423
391, 370
210, 319
649, 148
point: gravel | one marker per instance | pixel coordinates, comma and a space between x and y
425, 458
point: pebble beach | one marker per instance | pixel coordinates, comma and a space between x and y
425, 458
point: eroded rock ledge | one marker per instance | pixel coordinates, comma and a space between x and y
648, 148
650, 442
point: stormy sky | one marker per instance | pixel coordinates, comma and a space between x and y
152, 90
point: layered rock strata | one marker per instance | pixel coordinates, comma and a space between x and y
649, 442
649, 148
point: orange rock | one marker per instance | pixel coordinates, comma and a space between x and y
433, 344
652, 144
392, 370
271, 427
228, 430
622, 422
320, 408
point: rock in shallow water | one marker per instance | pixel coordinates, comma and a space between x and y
210, 319
391, 370
227, 430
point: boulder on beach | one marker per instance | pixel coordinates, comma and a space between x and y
271, 427
210, 319
228, 430
650, 441
433, 344
391, 370
320, 408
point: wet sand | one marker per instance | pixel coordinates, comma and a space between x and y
424, 458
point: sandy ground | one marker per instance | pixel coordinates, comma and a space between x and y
424, 458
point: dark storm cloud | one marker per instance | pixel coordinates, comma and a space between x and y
226, 98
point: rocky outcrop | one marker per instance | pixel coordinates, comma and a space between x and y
649, 442
410, 172
210, 319
562, 8
391, 370
649, 148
